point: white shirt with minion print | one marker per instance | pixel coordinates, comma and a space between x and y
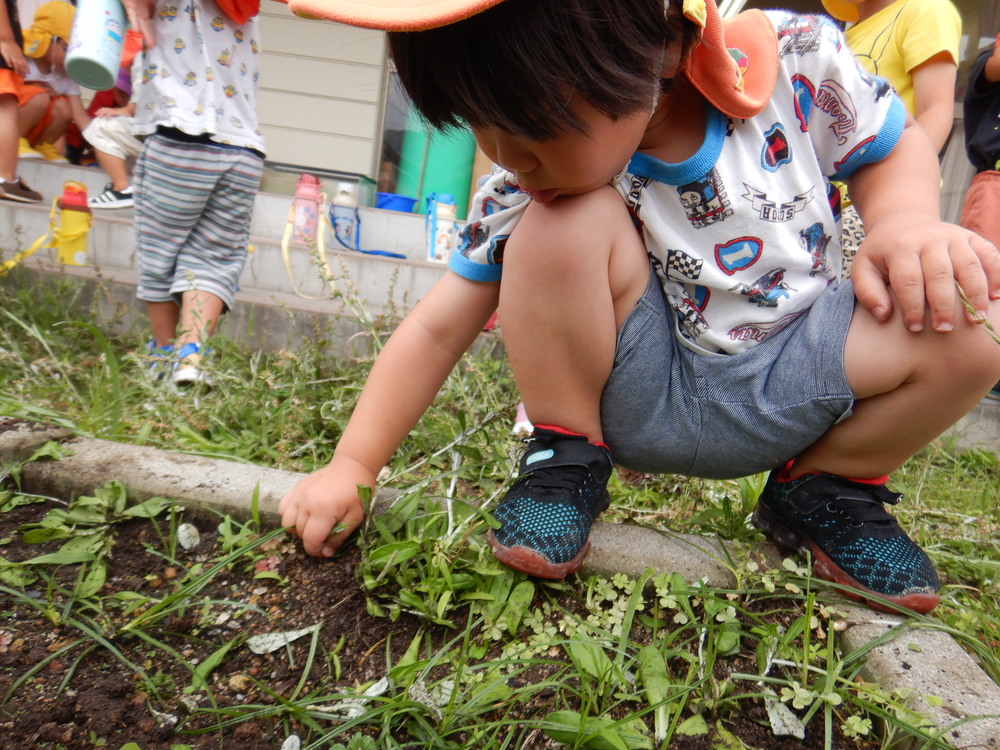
201, 77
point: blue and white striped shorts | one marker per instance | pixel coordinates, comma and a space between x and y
667, 409
193, 207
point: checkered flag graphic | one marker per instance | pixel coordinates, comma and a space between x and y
684, 264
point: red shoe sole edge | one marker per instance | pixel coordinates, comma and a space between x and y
826, 569
530, 562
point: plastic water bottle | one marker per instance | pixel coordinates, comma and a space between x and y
344, 216
306, 210
440, 227
93, 53
70, 238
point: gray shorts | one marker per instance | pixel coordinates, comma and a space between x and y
667, 409
193, 205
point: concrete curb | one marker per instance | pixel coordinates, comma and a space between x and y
945, 683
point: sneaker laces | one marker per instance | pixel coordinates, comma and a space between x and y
559, 477
866, 507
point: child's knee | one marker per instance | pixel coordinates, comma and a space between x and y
61, 112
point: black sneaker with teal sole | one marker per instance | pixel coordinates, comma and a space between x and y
546, 515
853, 540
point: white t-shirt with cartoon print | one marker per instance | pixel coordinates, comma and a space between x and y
201, 77
745, 234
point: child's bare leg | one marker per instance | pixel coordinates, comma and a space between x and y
200, 313
163, 320
572, 272
115, 167
910, 388
56, 128
31, 113
8, 139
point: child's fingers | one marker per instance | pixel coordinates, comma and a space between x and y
972, 277
909, 281
989, 256
341, 531
870, 289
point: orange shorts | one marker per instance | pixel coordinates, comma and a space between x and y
11, 83
28, 92
981, 206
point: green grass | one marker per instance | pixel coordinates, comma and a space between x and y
617, 663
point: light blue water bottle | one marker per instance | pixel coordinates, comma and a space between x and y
441, 227
93, 55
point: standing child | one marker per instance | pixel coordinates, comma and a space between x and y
662, 239
12, 70
981, 205
199, 170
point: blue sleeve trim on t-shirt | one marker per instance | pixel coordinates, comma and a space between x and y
473, 271
882, 145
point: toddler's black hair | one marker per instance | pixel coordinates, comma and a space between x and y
518, 65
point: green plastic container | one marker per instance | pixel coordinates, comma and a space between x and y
435, 162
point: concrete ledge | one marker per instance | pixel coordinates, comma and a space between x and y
933, 666
946, 684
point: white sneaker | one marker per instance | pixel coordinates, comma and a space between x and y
187, 371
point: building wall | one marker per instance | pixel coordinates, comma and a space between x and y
321, 93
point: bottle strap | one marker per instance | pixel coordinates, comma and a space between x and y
318, 250
38, 244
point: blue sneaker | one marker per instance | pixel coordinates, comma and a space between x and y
546, 515
188, 371
853, 541
159, 360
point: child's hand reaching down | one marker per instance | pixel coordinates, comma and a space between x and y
324, 508
922, 259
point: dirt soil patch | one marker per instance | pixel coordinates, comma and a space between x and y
86, 697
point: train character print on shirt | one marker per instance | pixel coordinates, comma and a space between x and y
767, 291
816, 242
689, 316
704, 201
879, 86
476, 235
799, 35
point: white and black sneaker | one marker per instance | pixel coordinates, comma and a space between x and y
112, 198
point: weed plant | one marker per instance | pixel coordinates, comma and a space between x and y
613, 663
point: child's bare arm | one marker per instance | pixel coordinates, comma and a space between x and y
127, 111
909, 248
78, 112
139, 12
403, 382
9, 48
934, 97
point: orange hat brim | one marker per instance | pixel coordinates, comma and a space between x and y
392, 15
